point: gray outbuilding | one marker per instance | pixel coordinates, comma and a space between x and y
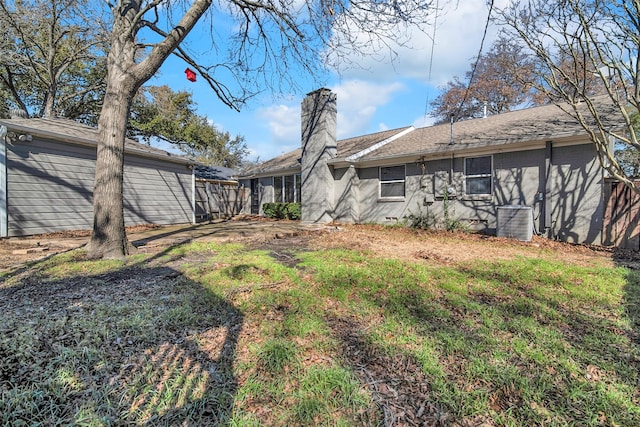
47, 169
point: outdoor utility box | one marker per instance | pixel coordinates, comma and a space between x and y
515, 222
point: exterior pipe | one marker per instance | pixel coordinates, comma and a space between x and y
4, 226
451, 140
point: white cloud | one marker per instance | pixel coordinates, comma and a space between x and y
358, 102
459, 29
283, 121
379, 95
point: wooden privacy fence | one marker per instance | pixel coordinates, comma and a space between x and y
621, 225
218, 199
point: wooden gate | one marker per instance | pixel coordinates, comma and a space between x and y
621, 226
218, 199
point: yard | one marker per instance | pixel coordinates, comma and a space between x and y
362, 325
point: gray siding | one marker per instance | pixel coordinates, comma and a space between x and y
156, 192
50, 185
573, 192
577, 191
562, 184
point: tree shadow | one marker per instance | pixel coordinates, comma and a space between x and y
632, 302
397, 383
512, 349
138, 345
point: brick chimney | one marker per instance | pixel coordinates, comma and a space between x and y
319, 115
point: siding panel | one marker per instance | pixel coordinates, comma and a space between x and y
50, 187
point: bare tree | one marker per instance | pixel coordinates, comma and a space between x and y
500, 80
52, 53
272, 43
587, 62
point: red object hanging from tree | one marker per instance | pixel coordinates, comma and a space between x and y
191, 75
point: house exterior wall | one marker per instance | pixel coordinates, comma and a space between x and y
347, 195
577, 195
50, 186
266, 192
573, 188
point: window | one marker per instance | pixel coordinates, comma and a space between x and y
286, 188
477, 175
277, 188
392, 182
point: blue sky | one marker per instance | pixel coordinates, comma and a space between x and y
375, 96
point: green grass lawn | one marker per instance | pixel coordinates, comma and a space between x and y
222, 334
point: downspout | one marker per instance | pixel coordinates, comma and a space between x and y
4, 226
451, 142
548, 159
193, 194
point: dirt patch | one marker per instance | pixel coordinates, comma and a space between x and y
285, 237
443, 247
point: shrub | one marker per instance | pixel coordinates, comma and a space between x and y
294, 211
282, 210
420, 220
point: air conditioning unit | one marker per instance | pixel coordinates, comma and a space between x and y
515, 222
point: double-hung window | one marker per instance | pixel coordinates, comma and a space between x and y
392, 182
478, 176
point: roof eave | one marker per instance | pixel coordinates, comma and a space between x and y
88, 142
271, 172
458, 149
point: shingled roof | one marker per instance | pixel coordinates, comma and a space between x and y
66, 130
346, 148
537, 124
513, 129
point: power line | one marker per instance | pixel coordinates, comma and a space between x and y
433, 44
475, 65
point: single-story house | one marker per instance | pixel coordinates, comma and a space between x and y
47, 168
529, 171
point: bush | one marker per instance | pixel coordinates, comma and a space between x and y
294, 211
282, 210
420, 220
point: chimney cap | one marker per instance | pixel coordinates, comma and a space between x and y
320, 90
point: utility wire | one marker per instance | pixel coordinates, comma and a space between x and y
475, 65
433, 44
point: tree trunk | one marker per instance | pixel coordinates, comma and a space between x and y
124, 77
109, 239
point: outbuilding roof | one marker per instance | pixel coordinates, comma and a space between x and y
66, 130
214, 173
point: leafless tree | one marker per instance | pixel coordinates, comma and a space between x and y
266, 43
587, 56
499, 79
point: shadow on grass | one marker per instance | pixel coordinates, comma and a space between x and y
632, 303
397, 383
138, 345
505, 343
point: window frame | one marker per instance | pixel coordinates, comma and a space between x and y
382, 183
280, 190
476, 176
